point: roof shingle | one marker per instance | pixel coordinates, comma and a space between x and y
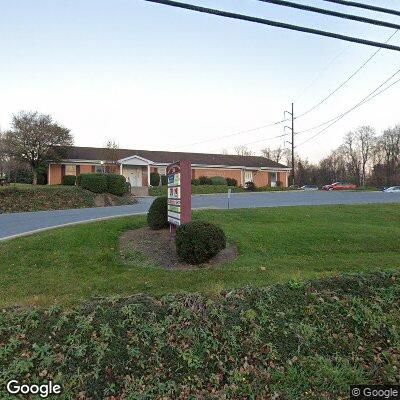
95, 153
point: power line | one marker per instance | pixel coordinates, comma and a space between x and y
332, 13
365, 6
266, 139
277, 24
366, 99
346, 80
235, 134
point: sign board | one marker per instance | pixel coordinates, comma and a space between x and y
179, 176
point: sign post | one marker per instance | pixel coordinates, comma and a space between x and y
179, 176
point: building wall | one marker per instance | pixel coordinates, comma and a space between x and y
260, 178
209, 172
282, 178
54, 174
85, 169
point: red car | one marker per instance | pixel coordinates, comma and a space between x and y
340, 186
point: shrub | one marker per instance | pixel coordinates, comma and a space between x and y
164, 180
154, 178
78, 180
195, 182
116, 184
250, 186
231, 182
205, 180
198, 241
68, 180
157, 217
96, 183
218, 180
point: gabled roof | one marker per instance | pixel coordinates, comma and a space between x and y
167, 157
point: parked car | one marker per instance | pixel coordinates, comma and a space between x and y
340, 186
309, 187
294, 187
392, 189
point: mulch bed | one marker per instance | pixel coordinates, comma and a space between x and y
159, 246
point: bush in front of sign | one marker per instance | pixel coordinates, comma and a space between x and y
198, 241
157, 217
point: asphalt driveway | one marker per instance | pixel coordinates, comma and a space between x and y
12, 225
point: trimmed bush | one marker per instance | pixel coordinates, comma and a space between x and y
250, 186
116, 184
205, 180
231, 182
96, 183
68, 180
218, 180
78, 180
157, 217
164, 180
198, 241
154, 178
195, 182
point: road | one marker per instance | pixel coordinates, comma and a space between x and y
17, 224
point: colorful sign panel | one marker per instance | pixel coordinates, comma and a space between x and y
179, 177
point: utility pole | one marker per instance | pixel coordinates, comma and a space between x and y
292, 142
293, 180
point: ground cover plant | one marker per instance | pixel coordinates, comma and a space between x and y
291, 341
274, 245
20, 198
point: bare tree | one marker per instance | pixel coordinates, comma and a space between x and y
243, 151
351, 155
365, 136
35, 139
273, 154
110, 156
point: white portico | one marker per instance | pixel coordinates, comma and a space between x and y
136, 170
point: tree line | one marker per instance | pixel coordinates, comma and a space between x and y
364, 158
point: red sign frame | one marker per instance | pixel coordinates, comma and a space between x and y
179, 181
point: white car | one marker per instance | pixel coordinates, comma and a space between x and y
309, 187
392, 189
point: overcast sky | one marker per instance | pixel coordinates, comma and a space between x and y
158, 78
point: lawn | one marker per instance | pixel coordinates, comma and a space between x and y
275, 245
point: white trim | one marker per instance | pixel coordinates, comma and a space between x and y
48, 175
136, 156
205, 166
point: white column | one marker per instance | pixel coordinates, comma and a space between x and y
148, 175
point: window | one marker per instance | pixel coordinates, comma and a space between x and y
248, 176
162, 170
70, 169
98, 169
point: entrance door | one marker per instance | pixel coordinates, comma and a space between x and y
135, 177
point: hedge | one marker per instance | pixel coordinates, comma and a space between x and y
218, 180
96, 183
103, 183
116, 184
198, 241
68, 180
154, 179
292, 341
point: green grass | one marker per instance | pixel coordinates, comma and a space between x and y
275, 245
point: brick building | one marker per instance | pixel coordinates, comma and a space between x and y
136, 166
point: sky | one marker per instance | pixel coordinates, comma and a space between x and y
160, 78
